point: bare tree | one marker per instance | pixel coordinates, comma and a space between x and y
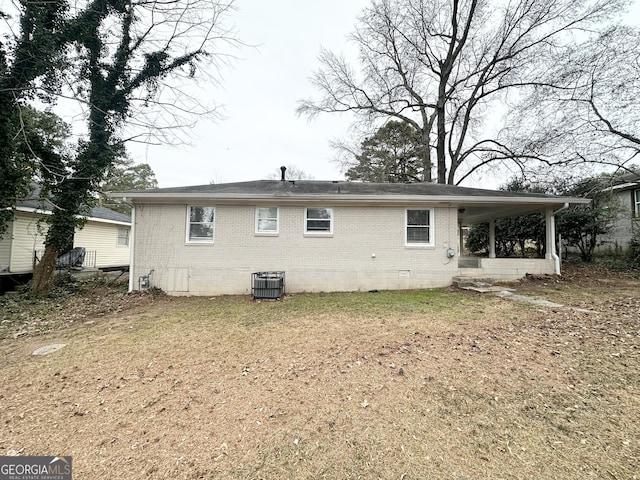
447, 66
590, 114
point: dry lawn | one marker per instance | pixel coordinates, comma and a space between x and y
441, 384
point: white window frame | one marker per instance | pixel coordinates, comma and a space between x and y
636, 202
125, 237
277, 219
318, 232
429, 226
206, 241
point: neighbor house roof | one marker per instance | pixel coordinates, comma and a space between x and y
628, 181
98, 213
474, 204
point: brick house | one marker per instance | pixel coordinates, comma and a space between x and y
326, 235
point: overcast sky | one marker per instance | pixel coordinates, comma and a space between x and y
260, 93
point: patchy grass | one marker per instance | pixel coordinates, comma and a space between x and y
419, 384
71, 302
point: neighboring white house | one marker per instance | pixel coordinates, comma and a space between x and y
627, 205
325, 236
105, 237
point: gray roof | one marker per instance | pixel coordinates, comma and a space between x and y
628, 181
304, 188
474, 204
108, 214
629, 177
98, 212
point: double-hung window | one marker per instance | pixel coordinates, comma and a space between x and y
267, 220
123, 237
200, 222
636, 202
318, 221
418, 231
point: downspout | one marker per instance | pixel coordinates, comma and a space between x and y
551, 237
132, 249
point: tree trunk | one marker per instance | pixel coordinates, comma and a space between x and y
441, 143
44, 272
441, 123
426, 158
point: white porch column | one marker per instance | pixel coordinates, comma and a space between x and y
492, 238
550, 242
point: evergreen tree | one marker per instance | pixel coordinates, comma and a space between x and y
394, 154
124, 176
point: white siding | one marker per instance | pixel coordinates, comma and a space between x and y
366, 251
5, 248
103, 239
28, 236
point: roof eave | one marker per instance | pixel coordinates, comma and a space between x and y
39, 211
141, 197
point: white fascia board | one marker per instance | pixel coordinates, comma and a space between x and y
38, 211
351, 199
106, 220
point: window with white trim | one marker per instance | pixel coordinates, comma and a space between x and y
418, 231
636, 202
200, 221
123, 237
267, 220
318, 221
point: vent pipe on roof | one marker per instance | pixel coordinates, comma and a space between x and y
283, 169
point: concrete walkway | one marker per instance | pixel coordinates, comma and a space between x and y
507, 293
523, 298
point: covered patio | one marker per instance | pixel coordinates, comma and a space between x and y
508, 268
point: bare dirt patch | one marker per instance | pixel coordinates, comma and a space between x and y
432, 384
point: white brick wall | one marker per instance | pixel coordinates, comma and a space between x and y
342, 262
514, 268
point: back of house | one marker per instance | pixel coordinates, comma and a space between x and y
321, 235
